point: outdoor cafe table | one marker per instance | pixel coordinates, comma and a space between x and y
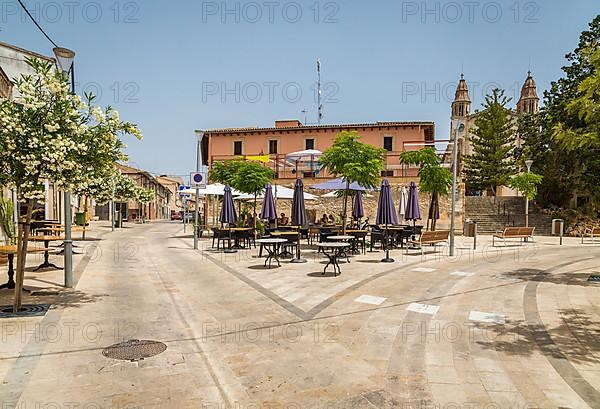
60, 229
236, 244
343, 238
336, 250
293, 235
272, 247
46, 240
10, 252
360, 234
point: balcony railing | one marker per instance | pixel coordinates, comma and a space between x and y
285, 169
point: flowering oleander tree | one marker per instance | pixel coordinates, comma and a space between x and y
50, 134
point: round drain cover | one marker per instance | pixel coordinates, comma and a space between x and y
26, 310
134, 350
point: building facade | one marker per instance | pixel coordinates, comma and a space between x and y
172, 183
528, 103
158, 208
288, 136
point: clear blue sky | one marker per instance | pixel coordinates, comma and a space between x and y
173, 67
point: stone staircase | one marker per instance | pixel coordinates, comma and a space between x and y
496, 214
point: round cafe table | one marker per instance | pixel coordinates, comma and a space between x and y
336, 249
343, 238
10, 252
272, 247
46, 240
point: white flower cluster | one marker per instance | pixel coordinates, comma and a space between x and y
57, 136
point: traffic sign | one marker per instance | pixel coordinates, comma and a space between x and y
198, 180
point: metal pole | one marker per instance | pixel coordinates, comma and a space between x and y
16, 209
196, 219
454, 183
68, 217
112, 215
68, 242
562, 228
185, 212
528, 163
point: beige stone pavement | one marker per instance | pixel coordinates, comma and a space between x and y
510, 327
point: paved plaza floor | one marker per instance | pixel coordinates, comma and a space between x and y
496, 327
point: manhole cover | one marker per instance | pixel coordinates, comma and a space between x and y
27, 310
134, 350
594, 278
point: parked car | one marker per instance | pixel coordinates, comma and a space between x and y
176, 215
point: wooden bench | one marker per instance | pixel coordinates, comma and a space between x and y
593, 232
430, 237
523, 233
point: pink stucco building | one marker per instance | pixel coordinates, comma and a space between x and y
291, 136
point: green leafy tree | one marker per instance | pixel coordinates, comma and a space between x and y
526, 183
434, 178
550, 160
224, 171
571, 122
355, 162
245, 176
50, 134
585, 107
251, 177
492, 162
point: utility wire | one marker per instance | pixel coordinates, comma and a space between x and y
36, 23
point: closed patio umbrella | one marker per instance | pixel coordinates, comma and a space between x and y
358, 210
268, 211
386, 214
228, 214
413, 212
403, 202
299, 215
434, 210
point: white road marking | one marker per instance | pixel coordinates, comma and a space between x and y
370, 299
423, 270
462, 274
487, 317
423, 308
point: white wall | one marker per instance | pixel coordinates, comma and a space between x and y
12, 61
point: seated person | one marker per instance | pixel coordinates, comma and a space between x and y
331, 219
323, 221
283, 220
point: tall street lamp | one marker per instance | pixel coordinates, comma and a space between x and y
65, 59
528, 163
197, 207
458, 128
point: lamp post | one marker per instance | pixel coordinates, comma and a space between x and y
198, 167
458, 127
528, 163
65, 59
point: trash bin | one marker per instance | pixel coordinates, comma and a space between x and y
558, 227
80, 218
469, 228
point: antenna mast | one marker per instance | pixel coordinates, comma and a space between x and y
319, 101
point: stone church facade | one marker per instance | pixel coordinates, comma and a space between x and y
461, 113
